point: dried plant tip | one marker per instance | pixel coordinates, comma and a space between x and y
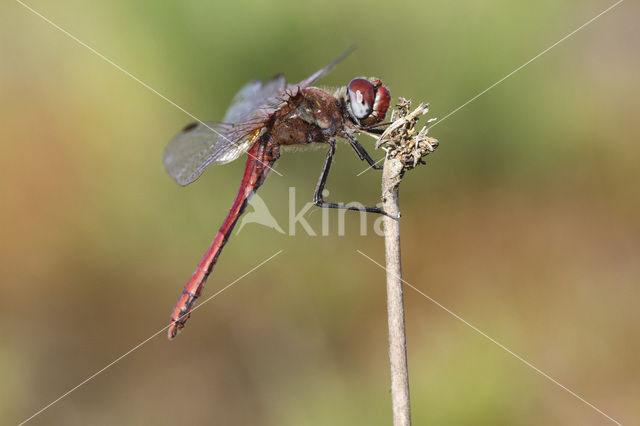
400, 139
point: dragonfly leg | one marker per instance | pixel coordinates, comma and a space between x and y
317, 197
362, 153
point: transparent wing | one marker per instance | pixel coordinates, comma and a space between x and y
253, 97
201, 144
324, 71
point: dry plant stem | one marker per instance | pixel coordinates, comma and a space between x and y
391, 177
405, 149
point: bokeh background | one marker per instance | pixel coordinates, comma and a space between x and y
525, 221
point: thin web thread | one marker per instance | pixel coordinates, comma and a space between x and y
500, 345
513, 72
77, 40
115, 361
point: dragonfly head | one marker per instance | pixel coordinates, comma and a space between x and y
367, 100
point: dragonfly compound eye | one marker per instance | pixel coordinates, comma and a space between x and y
381, 104
362, 96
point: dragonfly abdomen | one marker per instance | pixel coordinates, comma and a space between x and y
259, 161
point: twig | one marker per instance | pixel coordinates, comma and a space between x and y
405, 150
395, 308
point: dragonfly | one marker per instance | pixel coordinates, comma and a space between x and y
264, 118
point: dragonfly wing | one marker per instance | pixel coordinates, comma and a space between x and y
253, 97
201, 144
243, 136
324, 71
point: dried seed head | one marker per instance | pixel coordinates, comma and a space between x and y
400, 139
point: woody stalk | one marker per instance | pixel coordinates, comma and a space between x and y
405, 149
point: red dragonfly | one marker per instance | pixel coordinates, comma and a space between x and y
262, 119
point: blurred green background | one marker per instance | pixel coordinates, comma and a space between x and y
525, 222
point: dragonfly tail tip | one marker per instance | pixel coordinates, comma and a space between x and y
173, 331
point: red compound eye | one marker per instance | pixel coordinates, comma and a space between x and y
362, 96
381, 105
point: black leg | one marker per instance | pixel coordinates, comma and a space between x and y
317, 197
362, 153
376, 131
